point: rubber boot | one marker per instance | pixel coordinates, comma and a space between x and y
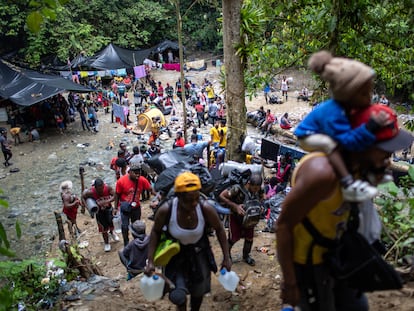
125, 236
247, 248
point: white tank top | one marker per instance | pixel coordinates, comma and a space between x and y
186, 236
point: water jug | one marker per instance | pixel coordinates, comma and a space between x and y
152, 287
229, 279
91, 206
117, 223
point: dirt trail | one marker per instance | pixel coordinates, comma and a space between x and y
260, 284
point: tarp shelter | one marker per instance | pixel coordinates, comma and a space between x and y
27, 87
115, 57
164, 47
145, 120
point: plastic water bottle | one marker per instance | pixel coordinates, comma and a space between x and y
117, 223
287, 307
229, 279
152, 287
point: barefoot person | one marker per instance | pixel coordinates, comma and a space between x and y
70, 204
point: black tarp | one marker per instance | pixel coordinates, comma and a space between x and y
165, 45
27, 87
115, 57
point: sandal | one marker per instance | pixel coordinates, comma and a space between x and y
249, 260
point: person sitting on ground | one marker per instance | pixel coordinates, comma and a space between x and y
269, 121
283, 171
134, 255
260, 117
326, 126
284, 122
70, 204
34, 134
179, 140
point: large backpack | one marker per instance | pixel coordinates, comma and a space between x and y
253, 209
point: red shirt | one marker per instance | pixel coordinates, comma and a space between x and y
125, 188
179, 142
199, 107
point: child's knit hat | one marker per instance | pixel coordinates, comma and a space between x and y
345, 76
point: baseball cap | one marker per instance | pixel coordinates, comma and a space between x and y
135, 167
187, 182
389, 138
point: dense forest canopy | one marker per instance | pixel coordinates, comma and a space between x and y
276, 34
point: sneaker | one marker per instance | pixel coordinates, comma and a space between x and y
114, 236
107, 248
249, 260
359, 191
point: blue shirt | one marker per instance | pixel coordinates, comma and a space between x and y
329, 118
196, 148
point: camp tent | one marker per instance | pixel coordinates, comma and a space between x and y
115, 57
164, 47
27, 87
145, 120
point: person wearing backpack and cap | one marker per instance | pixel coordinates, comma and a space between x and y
327, 127
316, 196
235, 197
186, 218
134, 255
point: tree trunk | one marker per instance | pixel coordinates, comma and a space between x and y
234, 80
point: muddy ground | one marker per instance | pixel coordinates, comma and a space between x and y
33, 196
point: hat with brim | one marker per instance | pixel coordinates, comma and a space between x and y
137, 228
389, 138
401, 141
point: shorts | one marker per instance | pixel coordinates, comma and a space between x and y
237, 231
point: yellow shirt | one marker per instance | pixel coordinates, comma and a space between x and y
323, 218
214, 133
223, 141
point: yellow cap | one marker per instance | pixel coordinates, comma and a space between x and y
187, 182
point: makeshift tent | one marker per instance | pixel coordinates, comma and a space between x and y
27, 87
164, 47
115, 57
145, 120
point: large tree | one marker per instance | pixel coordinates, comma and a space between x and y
234, 78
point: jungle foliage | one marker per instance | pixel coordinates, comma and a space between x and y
41, 30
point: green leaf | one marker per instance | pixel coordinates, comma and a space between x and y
6, 252
4, 203
49, 13
3, 236
18, 230
34, 21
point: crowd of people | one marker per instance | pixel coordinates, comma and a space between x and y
333, 173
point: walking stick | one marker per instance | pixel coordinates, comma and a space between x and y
81, 174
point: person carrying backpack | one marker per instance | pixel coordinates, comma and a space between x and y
236, 197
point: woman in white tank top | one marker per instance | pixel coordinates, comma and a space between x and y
186, 218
